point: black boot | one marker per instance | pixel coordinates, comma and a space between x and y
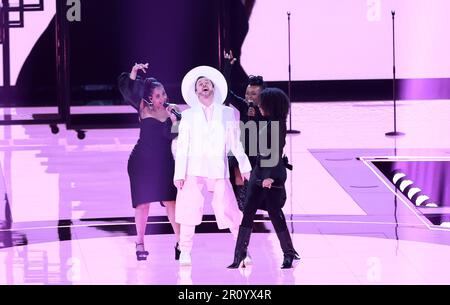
240, 252
288, 249
241, 193
177, 252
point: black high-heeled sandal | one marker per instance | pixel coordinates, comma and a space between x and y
177, 252
141, 255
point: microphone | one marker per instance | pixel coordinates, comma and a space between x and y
251, 104
173, 111
166, 104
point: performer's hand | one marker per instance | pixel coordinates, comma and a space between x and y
246, 176
142, 67
179, 184
136, 68
267, 183
169, 109
251, 111
229, 57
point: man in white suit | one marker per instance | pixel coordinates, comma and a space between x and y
207, 132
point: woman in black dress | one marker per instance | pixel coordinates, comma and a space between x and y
151, 164
266, 186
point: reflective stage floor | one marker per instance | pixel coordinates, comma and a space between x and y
69, 204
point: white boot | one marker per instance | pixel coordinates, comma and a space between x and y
185, 259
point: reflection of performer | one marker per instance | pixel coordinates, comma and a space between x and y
266, 185
207, 132
185, 276
5, 209
151, 163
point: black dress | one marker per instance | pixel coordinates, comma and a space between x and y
151, 165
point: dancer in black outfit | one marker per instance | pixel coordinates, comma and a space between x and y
266, 186
151, 164
248, 108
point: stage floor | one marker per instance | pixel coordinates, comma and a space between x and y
72, 221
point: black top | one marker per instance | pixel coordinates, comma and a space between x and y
275, 197
132, 90
277, 171
242, 106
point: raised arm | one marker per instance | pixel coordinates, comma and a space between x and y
131, 86
238, 102
228, 66
136, 68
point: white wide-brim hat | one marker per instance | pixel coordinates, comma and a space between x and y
188, 85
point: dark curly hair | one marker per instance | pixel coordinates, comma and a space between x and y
256, 81
275, 103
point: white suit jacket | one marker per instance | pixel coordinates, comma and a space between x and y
202, 146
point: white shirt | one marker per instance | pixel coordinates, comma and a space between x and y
203, 146
208, 111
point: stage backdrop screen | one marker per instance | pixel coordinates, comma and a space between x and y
348, 39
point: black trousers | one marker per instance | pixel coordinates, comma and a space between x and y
272, 200
233, 163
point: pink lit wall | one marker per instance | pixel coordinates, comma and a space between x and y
22, 40
348, 39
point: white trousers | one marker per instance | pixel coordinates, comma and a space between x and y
190, 203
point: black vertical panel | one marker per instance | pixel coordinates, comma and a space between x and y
4, 32
172, 35
236, 29
37, 81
